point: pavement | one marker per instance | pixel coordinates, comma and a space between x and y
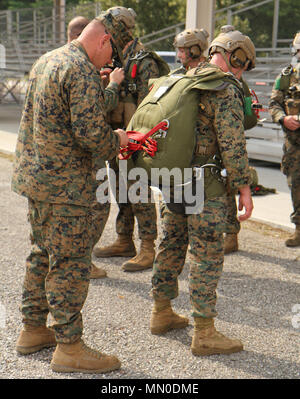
272, 209
258, 302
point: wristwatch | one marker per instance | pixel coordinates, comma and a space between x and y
281, 119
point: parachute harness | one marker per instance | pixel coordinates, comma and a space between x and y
139, 141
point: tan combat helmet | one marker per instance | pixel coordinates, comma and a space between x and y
194, 39
119, 21
126, 15
296, 43
240, 46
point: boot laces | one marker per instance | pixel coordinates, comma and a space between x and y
91, 351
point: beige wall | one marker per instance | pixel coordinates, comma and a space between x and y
200, 14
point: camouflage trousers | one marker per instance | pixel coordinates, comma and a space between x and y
145, 214
291, 168
58, 267
99, 216
203, 234
233, 224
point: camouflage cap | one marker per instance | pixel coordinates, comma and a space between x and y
230, 40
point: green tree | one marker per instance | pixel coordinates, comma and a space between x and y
155, 15
258, 22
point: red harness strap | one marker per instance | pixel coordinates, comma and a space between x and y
257, 106
139, 141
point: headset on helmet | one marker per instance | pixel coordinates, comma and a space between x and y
193, 39
240, 46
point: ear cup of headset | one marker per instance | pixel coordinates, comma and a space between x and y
238, 58
194, 52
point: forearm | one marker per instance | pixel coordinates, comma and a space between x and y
111, 96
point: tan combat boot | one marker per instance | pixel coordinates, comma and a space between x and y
208, 341
123, 246
33, 339
231, 243
143, 260
164, 319
294, 240
97, 272
77, 357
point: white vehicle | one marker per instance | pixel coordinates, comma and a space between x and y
170, 58
265, 141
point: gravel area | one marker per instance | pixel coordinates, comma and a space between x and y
257, 298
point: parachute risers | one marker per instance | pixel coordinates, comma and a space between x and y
256, 106
140, 141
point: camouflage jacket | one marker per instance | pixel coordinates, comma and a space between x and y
220, 131
147, 68
289, 77
133, 89
62, 128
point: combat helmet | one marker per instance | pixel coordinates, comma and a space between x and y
119, 21
240, 46
194, 39
123, 14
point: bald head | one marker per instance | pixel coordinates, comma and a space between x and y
76, 26
96, 42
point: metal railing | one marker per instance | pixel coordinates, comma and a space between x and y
29, 33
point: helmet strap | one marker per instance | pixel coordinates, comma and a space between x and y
223, 53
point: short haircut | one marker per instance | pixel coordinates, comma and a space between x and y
76, 26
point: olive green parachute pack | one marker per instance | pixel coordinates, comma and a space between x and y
174, 98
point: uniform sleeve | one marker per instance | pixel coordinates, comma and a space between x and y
111, 96
87, 112
229, 129
276, 103
148, 69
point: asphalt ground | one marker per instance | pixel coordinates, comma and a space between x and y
258, 303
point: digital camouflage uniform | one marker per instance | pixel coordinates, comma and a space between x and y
144, 212
100, 212
291, 149
220, 133
139, 66
233, 224
62, 133
131, 93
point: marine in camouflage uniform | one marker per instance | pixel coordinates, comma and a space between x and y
100, 212
220, 133
233, 223
63, 136
119, 21
284, 108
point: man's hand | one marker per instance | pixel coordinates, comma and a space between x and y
117, 76
291, 122
245, 201
123, 137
